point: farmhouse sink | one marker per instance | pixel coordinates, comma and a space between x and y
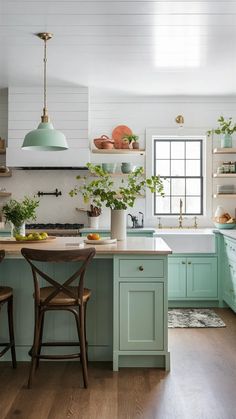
189, 240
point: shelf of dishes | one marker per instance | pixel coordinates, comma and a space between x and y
118, 169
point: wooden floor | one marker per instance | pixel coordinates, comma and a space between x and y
201, 384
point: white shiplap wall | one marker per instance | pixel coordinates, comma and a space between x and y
145, 112
68, 111
105, 112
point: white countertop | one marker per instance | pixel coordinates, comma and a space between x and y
132, 245
228, 233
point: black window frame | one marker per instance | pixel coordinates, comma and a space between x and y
184, 140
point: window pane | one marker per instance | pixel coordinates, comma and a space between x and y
193, 150
178, 187
163, 167
166, 185
193, 186
179, 164
162, 150
193, 168
177, 167
175, 204
193, 205
162, 205
177, 150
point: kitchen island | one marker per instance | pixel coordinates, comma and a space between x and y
127, 314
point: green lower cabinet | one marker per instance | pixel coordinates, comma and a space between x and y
202, 278
177, 278
229, 283
192, 278
140, 315
141, 329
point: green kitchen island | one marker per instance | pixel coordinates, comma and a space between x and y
127, 319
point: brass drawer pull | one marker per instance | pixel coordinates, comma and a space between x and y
189, 263
141, 268
183, 263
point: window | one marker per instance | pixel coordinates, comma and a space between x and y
179, 164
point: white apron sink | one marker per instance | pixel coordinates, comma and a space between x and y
188, 240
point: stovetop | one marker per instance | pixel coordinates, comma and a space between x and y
56, 226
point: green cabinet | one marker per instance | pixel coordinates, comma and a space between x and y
193, 278
228, 273
177, 278
141, 329
140, 316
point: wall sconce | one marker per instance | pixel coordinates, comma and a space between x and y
179, 120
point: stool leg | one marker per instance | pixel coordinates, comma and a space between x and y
35, 349
80, 321
40, 338
85, 336
11, 330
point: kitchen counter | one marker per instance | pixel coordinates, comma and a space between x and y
132, 245
127, 313
228, 233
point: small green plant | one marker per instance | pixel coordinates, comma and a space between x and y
225, 127
102, 191
131, 138
17, 212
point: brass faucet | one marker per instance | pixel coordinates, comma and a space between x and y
180, 213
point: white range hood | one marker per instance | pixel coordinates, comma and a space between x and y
73, 157
69, 114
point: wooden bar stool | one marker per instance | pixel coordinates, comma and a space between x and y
6, 297
59, 296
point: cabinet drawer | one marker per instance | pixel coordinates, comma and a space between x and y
138, 268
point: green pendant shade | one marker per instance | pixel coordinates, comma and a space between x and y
45, 138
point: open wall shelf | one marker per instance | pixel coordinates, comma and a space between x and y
224, 150
225, 195
225, 175
117, 151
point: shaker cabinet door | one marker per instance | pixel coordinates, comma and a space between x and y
202, 277
177, 287
141, 316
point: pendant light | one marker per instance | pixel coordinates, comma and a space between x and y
45, 137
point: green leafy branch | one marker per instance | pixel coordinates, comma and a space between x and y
102, 191
225, 127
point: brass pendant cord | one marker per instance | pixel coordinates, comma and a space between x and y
45, 36
45, 79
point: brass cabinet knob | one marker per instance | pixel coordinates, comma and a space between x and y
141, 268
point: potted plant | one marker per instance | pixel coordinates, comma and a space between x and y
226, 128
132, 141
18, 212
88, 192
103, 191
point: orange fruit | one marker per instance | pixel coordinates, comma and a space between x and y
93, 236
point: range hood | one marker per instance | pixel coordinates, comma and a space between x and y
75, 158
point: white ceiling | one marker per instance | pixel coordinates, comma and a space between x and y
144, 47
